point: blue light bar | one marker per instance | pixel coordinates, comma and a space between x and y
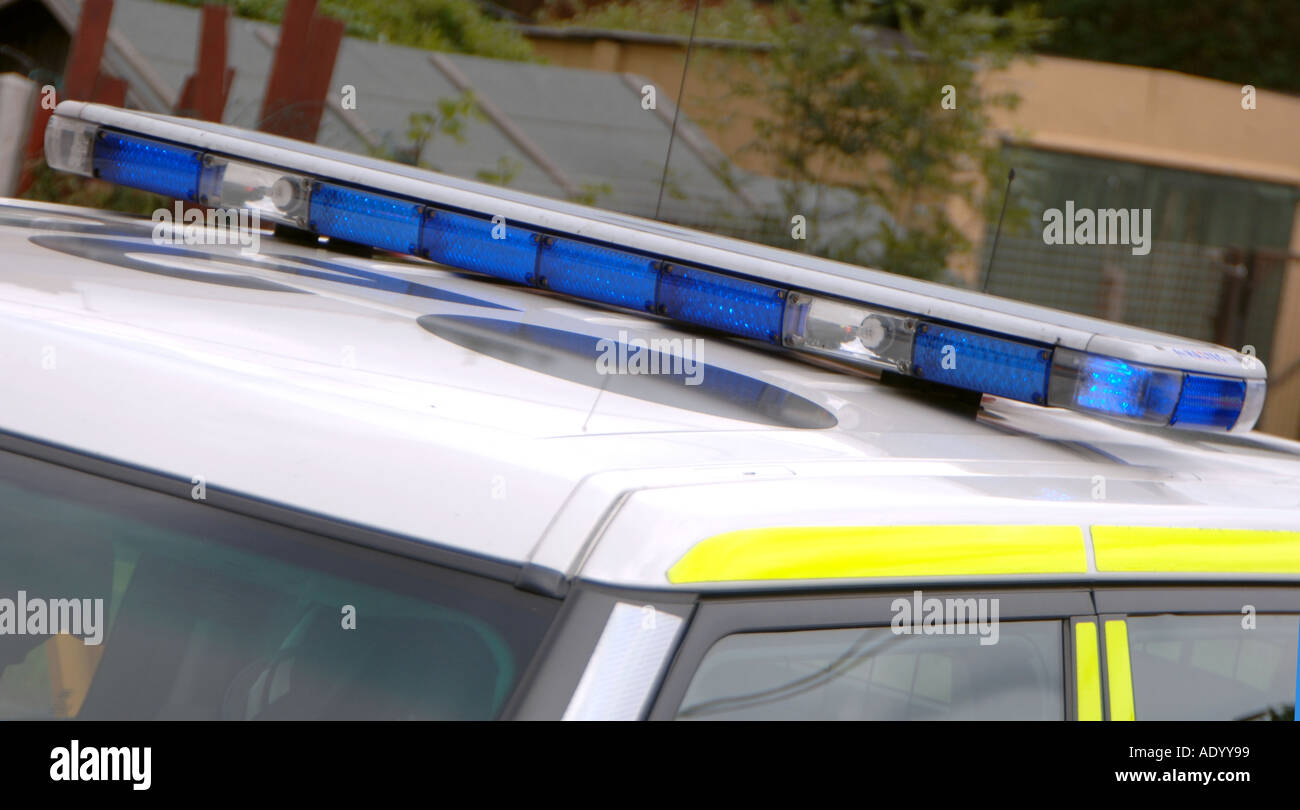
602, 274
370, 219
499, 249
1210, 402
597, 273
864, 318
147, 164
979, 362
1116, 388
1152, 394
721, 302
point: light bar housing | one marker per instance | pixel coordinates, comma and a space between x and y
858, 317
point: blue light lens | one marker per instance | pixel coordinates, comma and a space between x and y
722, 302
147, 165
598, 273
978, 362
365, 217
468, 243
1210, 402
1117, 388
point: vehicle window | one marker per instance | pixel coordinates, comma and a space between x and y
1213, 668
208, 615
875, 674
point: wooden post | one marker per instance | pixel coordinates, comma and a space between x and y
325, 36
283, 86
79, 77
209, 80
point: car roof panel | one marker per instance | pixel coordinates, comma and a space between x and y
487, 432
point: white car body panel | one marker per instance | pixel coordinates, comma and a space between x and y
336, 401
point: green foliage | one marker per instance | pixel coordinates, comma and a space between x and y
1239, 41
437, 25
503, 175
422, 127
729, 19
590, 193
852, 92
449, 120
863, 113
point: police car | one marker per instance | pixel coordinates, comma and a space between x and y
440, 450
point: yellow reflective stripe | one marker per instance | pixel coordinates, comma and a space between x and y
822, 552
1154, 548
1119, 674
1087, 671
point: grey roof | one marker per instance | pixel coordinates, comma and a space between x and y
574, 129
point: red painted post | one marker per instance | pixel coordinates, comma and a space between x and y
325, 36
87, 49
283, 86
210, 76
185, 102
109, 90
79, 76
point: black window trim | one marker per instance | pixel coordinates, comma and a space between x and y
1195, 598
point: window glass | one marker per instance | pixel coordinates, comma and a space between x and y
1214, 667
875, 674
171, 609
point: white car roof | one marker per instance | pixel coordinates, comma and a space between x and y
466, 413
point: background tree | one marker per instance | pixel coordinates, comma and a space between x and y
744, 20
423, 127
459, 26
1239, 41
879, 101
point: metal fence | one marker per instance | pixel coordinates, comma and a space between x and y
1223, 295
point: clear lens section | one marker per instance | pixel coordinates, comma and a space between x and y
849, 332
1251, 409
1114, 387
1159, 396
69, 145
274, 194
